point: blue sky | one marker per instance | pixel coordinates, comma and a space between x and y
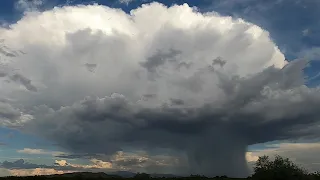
294, 26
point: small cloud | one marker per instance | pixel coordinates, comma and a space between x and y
38, 151
61, 162
126, 2
311, 54
100, 164
305, 32
251, 157
28, 5
32, 151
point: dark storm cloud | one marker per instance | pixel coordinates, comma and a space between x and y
207, 114
271, 105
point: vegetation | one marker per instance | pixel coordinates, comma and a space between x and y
280, 168
265, 169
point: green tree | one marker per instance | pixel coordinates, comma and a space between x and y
278, 169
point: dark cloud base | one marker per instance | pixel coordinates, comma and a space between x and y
271, 105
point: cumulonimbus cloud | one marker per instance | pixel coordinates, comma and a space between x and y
167, 78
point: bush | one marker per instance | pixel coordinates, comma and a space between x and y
278, 169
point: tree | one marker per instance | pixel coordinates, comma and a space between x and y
279, 168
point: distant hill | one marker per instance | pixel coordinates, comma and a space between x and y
125, 174
117, 174
85, 175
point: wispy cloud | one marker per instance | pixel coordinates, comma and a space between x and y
311, 53
39, 152
28, 5
127, 2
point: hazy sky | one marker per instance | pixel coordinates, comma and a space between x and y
175, 87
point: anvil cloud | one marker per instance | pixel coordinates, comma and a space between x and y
97, 80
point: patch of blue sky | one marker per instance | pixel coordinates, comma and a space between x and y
18, 140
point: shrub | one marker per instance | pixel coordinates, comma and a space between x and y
278, 169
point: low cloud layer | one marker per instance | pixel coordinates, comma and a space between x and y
120, 161
160, 79
21, 164
303, 154
35, 172
38, 152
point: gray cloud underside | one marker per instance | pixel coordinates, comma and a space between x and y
271, 105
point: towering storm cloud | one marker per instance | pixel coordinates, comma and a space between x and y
96, 80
